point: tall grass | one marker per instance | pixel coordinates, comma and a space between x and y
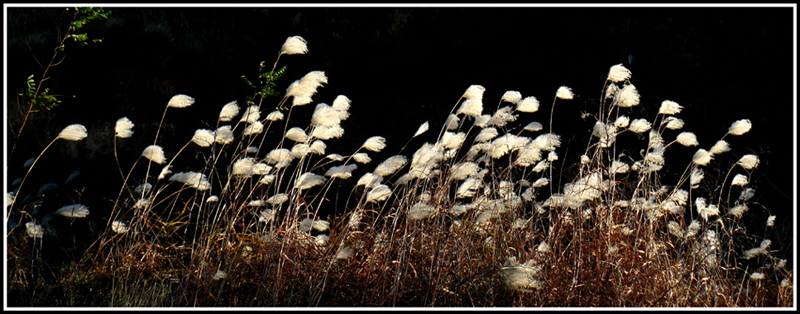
490, 214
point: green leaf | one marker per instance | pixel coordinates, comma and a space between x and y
244, 78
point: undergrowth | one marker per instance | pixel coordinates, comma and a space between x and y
487, 215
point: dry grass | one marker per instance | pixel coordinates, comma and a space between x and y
604, 237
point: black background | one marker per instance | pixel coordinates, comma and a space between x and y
402, 66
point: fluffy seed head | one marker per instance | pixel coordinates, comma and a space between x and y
674, 123
533, 126
278, 199
512, 96
304, 88
391, 165
180, 101
639, 126
687, 139
379, 193
375, 143
34, 230
740, 180
420, 210
326, 133
486, 135
474, 92
123, 128
341, 172
739, 210
119, 227
696, 177
720, 147
362, 158
224, 134
702, 157
529, 104
203, 137
564, 92
296, 134
229, 111
308, 180
253, 129
471, 107
73, 132
628, 96
275, 116
740, 127
622, 122
422, 129
748, 161
318, 147
155, 153
251, 114
369, 180
294, 45
618, 73
193, 179
73, 211
669, 107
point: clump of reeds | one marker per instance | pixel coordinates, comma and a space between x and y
483, 216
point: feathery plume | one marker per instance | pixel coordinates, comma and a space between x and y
203, 137
280, 157
304, 88
362, 158
341, 103
474, 92
618, 73
326, 133
696, 177
628, 96
702, 157
369, 180
123, 128
670, 107
325, 115
420, 210
771, 221
391, 165
533, 126
512, 96
155, 153
267, 215
379, 193
34, 230
375, 143
452, 140
740, 180
252, 129
180, 101
483, 120
471, 107
748, 161
229, 111
294, 45
452, 122
564, 92
422, 129
740, 127
119, 227
212, 199
341, 172
73, 211
529, 104
164, 172
224, 134
278, 199
720, 147
747, 194
464, 170
196, 180
622, 122
243, 167
486, 134
73, 132
674, 123
275, 116
308, 180
296, 134
251, 114
502, 116
687, 139
318, 147
639, 126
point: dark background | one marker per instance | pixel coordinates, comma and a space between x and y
402, 67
